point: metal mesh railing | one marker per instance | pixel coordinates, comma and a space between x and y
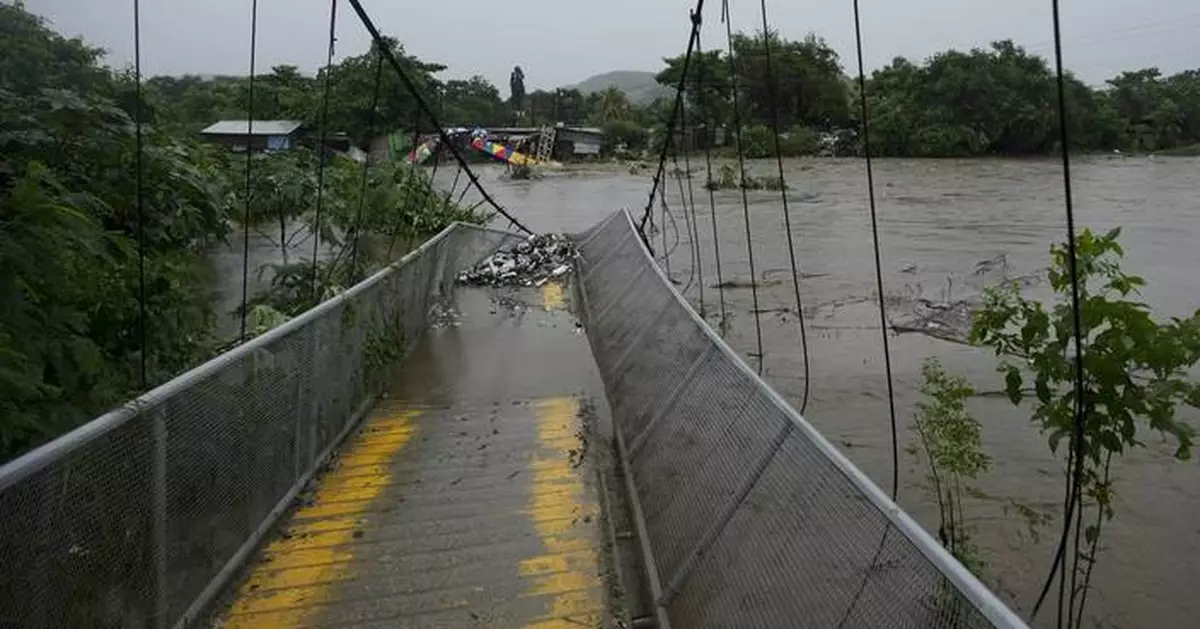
750, 517
137, 518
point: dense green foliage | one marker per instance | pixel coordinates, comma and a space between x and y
809, 91
1135, 376
285, 93
995, 101
70, 345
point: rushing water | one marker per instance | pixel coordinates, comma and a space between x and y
938, 221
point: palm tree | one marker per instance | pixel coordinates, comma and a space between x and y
613, 104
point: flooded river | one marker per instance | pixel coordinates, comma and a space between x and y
939, 220
948, 228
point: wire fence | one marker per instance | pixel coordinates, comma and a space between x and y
138, 518
749, 517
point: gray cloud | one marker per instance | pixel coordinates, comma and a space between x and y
559, 42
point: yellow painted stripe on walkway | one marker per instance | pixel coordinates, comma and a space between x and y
574, 583
280, 593
552, 295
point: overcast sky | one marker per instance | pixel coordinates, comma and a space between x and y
560, 42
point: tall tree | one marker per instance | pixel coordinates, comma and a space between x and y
516, 87
472, 102
808, 88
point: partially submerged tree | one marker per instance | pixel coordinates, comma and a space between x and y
1135, 376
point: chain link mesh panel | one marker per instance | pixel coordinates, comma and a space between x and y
128, 521
752, 518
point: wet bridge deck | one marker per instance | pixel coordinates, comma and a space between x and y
467, 498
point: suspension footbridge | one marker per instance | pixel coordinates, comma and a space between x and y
590, 454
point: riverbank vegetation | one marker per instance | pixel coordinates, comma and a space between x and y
998, 100
71, 226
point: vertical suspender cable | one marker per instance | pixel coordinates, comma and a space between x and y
249, 163
883, 325
411, 172
772, 92
453, 186
701, 100
887, 355
1075, 457
141, 202
666, 252
737, 127
689, 207
321, 157
366, 169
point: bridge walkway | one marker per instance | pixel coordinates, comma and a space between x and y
467, 498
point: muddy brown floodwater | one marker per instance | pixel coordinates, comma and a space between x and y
948, 228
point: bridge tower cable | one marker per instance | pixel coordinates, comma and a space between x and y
741, 160
138, 115
249, 165
423, 106
701, 100
1072, 504
322, 155
773, 96
883, 322
695, 17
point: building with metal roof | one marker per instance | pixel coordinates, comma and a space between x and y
263, 135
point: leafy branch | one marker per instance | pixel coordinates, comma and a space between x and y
1135, 376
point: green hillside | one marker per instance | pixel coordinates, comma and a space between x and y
640, 87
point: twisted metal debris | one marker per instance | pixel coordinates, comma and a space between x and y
531, 262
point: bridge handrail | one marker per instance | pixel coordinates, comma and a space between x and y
142, 515
613, 370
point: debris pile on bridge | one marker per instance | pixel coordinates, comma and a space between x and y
531, 262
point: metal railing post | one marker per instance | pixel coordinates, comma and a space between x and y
297, 401
308, 409
158, 419
672, 399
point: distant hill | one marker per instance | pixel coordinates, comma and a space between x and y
639, 87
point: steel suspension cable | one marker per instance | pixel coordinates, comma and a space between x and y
1075, 455
708, 182
741, 160
249, 164
772, 96
322, 157
883, 325
424, 106
140, 193
695, 17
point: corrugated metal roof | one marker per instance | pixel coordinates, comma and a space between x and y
261, 127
